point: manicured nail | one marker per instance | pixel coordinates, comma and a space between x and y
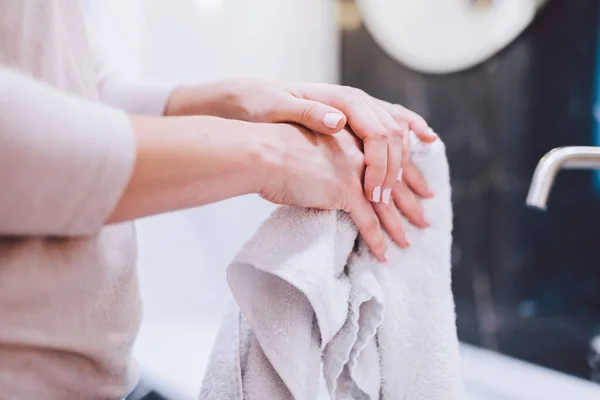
376, 194
431, 133
406, 138
332, 120
399, 178
385, 197
424, 221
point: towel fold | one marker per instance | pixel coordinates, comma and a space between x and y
310, 294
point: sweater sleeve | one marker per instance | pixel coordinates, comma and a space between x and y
133, 97
64, 161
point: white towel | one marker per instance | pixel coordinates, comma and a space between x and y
311, 294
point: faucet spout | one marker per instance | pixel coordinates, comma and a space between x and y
575, 157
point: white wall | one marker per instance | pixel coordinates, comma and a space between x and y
212, 39
183, 255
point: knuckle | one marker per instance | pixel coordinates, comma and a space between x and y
398, 133
396, 226
399, 111
358, 92
378, 170
397, 192
380, 243
356, 102
308, 111
417, 119
357, 160
371, 225
410, 202
356, 157
412, 207
378, 134
390, 178
402, 113
263, 113
352, 91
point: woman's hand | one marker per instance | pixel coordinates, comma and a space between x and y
404, 201
320, 171
382, 127
191, 161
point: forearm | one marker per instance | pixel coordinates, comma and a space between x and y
185, 162
219, 99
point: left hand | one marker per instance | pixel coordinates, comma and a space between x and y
392, 182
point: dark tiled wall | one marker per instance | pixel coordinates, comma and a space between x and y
526, 283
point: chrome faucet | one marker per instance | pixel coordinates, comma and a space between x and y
575, 157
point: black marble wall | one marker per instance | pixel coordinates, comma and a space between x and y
526, 283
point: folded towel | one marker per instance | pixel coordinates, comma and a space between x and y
310, 294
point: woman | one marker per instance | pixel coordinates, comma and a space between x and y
74, 171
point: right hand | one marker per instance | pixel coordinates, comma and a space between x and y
322, 171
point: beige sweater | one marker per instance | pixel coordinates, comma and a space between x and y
69, 299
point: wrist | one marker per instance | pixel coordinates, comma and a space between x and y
260, 154
276, 145
219, 99
212, 158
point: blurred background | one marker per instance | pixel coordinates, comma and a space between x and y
501, 81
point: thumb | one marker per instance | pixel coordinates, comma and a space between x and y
313, 115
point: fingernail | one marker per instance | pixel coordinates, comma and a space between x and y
401, 242
332, 120
431, 133
424, 221
399, 178
385, 197
406, 138
376, 194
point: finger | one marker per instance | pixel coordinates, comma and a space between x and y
376, 154
416, 123
366, 124
368, 127
367, 222
415, 180
396, 131
392, 223
409, 206
405, 155
313, 115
